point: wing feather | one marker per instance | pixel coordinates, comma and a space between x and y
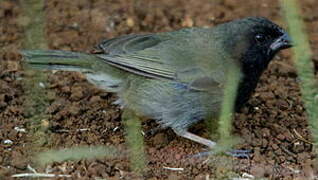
141, 66
161, 56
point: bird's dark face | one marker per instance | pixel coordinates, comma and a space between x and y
255, 42
263, 40
268, 39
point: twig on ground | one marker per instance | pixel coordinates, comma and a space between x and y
31, 169
38, 175
173, 169
288, 152
35, 174
301, 138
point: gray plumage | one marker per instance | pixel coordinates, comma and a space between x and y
175, 77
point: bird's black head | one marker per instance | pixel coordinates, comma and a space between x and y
257, 41
254, 42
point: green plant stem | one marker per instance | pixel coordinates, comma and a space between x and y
304, 65
134, 141
225, 120
34, 24
77, 153
36, 100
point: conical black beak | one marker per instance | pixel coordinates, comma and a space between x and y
282, 42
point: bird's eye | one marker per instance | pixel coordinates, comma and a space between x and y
260, 38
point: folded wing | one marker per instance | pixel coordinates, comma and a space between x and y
162, 56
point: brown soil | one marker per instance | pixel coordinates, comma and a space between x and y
273, 124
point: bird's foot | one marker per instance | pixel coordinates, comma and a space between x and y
234, 153
239, 153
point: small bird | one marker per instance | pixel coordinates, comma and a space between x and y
176, 78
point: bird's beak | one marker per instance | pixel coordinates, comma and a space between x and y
283, 42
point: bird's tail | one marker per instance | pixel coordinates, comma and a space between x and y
58, 60
96, 71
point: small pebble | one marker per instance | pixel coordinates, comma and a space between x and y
8, 141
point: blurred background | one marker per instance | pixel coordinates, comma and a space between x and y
74, 113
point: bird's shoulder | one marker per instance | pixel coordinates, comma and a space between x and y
132, 43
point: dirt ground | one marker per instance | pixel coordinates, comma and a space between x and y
273, 123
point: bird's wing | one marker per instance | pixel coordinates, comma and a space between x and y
129, 53
128, 43
143, 65
165, 56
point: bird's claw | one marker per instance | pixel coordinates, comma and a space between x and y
238, 153
234, 153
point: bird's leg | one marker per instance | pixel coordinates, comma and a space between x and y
196, 138
210, 144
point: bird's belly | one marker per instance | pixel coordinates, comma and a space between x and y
170, 106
